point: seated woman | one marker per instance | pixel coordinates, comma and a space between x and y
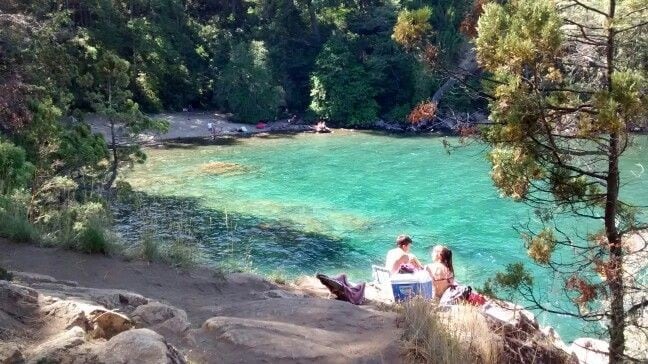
400, 257
441, 270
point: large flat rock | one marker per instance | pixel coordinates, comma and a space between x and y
296, 330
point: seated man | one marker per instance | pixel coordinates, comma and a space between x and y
401, 255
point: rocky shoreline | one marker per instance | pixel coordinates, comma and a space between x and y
81, 308
192, 128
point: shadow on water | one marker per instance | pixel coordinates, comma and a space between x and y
403, 134
191, 143
225, 238
225, 140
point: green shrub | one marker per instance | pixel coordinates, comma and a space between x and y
15, 170
149, 248
14, 224
92, 239
182, 254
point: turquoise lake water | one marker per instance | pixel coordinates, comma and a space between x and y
331, 203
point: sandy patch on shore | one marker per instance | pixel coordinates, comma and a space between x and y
194, 125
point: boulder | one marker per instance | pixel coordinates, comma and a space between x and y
10, 353
511, 315
97, 320
17, 301
311, 286
106, 324
296, 329
58, 348
271, 340
552, 335
161, 318
139, 346
64, 314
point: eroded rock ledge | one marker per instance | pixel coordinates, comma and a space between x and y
46, 320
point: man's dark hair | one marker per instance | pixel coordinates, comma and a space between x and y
403, 240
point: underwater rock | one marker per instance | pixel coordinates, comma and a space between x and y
222, 168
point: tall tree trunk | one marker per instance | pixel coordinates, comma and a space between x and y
313, 20
615, 269
615, 275
113, 140
113, 147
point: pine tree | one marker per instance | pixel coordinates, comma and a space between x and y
565, 94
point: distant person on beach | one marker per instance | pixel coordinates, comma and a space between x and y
212, 130
441, 270
400, 259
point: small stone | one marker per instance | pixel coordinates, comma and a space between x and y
161, 318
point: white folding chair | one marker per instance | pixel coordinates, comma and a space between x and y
380, 274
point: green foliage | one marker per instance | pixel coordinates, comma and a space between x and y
15, 171
541, 246
413, 27
341, 89
80, 148
14, 224
246, 86
92, 238
278, 277
149, 247
182, 254
513, 279
74, 226
521, 32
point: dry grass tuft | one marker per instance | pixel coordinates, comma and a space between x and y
460, 335
222, 168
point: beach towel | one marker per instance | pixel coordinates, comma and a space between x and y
342, 289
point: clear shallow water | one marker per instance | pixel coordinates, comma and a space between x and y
331, 203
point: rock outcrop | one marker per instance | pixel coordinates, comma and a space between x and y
57, 322
139, 346
46, 320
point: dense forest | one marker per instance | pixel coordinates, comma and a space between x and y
256, 59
